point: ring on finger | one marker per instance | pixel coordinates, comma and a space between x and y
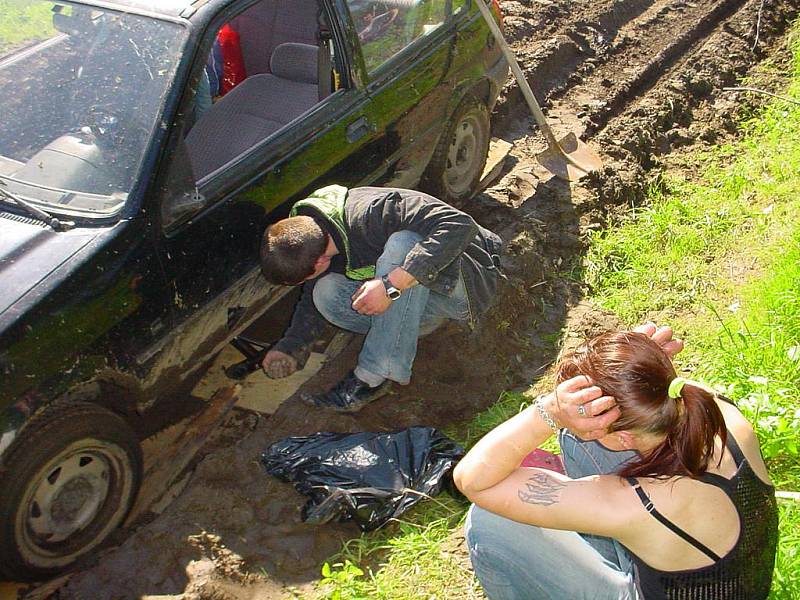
582, 410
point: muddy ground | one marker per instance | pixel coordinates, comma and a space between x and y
640, 80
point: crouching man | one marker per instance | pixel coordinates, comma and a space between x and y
392, 264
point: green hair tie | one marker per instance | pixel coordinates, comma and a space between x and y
676, 387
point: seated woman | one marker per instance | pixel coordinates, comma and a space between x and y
669, 499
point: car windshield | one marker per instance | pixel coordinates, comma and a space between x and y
80, 93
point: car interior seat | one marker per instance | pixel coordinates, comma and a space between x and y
255, 109
270, 23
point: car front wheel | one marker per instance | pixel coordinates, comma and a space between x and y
455, 169
66, 486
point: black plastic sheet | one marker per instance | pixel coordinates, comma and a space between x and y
366, 477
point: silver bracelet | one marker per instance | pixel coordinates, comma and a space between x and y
544, 414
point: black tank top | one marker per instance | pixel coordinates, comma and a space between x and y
745, 573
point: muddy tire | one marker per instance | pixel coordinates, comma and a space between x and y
457, 163
66, 485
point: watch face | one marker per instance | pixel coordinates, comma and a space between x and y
392, 292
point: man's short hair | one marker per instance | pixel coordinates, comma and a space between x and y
290, 249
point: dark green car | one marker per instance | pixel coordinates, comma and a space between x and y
144, 146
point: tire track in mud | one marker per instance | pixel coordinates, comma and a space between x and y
589, 70
642, 53
655, 86
685, 103
552, 53
636, 76
638, 80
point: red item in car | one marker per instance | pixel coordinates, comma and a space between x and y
233, 71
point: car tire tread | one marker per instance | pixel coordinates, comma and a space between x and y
56, 427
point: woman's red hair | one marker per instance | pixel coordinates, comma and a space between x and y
637, 372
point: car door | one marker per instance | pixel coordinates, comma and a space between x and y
212, 225
405, 48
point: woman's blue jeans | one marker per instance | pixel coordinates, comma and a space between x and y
391, 338
514, 561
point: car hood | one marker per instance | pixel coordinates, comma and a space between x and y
29, 252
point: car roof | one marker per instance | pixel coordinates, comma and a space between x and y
167, 8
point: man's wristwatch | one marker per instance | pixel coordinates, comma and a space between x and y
392, 292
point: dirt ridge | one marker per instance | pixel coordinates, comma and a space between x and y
549, 67
647, 77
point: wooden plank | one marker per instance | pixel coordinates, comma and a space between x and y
169, 464
498, 152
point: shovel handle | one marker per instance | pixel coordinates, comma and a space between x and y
538, 115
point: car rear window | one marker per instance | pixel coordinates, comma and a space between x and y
385, 27
80, 93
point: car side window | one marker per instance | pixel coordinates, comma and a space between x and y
264, 69
385, 27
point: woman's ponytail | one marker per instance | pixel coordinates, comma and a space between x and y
699, 424
689, 443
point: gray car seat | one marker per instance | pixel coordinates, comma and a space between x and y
255, 109
270, 23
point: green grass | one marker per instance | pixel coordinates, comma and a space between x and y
717, 256
785, 580
661, 257
757, 358
416, 557
509, 404
23, 22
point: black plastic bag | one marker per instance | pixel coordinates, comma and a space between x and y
366, 477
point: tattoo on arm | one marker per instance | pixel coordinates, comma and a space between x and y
540, 489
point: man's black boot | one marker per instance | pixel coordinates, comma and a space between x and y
349, 395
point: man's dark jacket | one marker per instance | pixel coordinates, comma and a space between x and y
452, 244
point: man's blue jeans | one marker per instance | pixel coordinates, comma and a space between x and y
514, 561
391, 343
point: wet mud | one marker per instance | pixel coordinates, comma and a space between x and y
638, 79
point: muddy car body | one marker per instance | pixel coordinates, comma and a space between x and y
134, 261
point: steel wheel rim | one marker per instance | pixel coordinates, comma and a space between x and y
58, 516
463, 154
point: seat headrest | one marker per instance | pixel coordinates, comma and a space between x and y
296, 62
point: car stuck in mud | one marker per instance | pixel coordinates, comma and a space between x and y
136, 176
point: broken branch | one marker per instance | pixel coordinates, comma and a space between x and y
760, 91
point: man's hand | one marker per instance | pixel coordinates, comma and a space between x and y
277, 364
663, 337
581, 407
371, 299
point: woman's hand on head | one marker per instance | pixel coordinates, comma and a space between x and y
663, 336
581, 407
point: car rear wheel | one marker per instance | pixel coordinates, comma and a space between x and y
460, 156
66, 486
